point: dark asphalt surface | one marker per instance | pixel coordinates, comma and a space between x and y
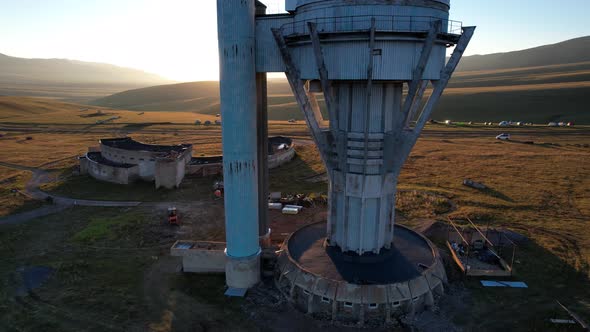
400, 264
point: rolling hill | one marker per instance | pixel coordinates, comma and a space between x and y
42, 112
569, 51
63, 71
68, 79
541, 84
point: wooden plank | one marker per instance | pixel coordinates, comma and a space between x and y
456, 258
575, 317
479, 231
457, 230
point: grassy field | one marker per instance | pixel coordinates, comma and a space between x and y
38, 111
104, 259
101, 261
12, 202
75, 93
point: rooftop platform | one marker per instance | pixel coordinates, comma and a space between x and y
323, 280
127, 143
98, 158
410, 255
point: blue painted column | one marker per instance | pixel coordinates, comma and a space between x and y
237, 46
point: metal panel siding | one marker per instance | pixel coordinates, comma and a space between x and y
238, 108
384, 221
436, 63
306, 2
369, 198
338, 232
354, 222
371, 9
370, 220
376, 111
388, 109
344, 105
268, 57
349, 61
359, 105
291, 5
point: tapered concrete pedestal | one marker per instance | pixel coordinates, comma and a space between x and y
242, 272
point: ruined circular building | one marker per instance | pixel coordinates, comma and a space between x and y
124, 161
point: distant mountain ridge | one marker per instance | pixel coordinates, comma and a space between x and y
63, 71
569, 51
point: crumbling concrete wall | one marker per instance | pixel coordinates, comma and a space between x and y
180, 171
146, 160
120, 175
169, 173
83, 165
280, 158
147, 163
201, 257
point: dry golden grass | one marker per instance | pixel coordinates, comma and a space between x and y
44, 148
6, 173
541, 190
15, 202
28, 110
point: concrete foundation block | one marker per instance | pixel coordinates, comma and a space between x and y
200, 256
242, 272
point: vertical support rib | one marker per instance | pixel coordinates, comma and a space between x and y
416, 102
294, 78
419, 70
445, 76
323, 72
262, 134
369, 88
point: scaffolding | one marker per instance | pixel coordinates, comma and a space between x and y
476, 254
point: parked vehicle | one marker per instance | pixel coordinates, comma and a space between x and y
552, 124
504, 124
503, 137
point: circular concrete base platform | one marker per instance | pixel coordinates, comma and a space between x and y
324, 281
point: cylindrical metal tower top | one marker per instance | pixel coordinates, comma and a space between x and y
299, 3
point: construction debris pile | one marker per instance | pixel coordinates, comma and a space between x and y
293, 204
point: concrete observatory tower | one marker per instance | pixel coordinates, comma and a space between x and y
372, 60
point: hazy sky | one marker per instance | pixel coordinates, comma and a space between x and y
178, 38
